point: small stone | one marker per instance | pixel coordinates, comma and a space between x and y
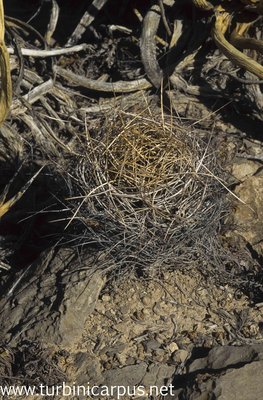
159, 355
146, 312
130, 360
114, 350
244, 169
169, 3
103, 358
146, 300
121, 358
229, 296
180, 356
172, 347
161, 337
151, 345
122, 327
106, 298
159, 352
159, 358
254, 329
166, 276
124, 310
100, 308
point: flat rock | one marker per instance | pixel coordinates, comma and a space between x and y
242, 383
157, 375
225, 373
51, 301
226, 356
244, 169
131, 375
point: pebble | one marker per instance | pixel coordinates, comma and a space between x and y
146, 312
130, 360
229, 296
122, 327
254, 329
121, 358
167, 276
161, 337
100, 308
172, 347
106, 298
180, 356
159, 355
146, 300
124, 309
159, 352
114, 350
103, 358
151, 345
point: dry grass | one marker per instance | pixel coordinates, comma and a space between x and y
150, 195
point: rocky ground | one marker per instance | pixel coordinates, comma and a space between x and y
178, 327
182, 327
65, 316
171, 330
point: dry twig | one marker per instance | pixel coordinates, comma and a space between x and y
85, 21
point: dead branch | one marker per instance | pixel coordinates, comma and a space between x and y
113, 87
148, 46
165, 22
6, 83
85, 21
52, 22
246, 43
50, 53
